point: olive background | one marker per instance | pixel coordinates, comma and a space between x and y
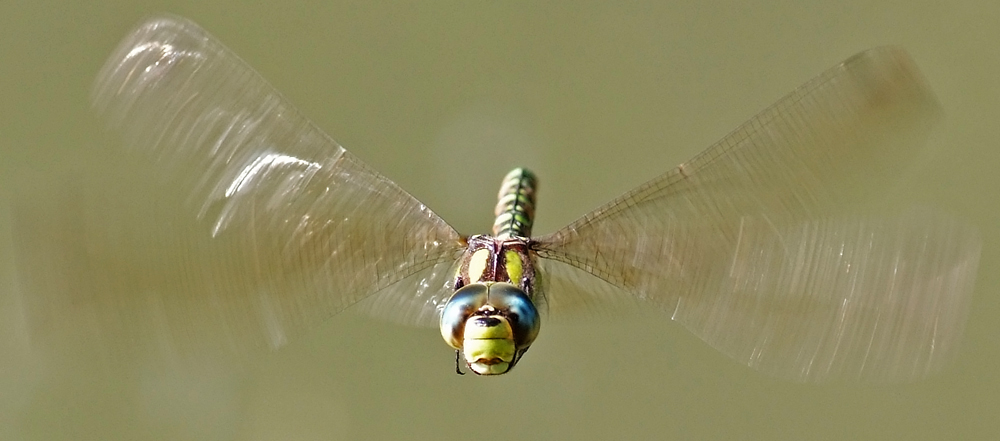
445, 98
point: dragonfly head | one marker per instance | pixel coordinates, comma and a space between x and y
492, 323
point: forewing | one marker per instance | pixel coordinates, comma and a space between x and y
753, 227
418, 300
301, 229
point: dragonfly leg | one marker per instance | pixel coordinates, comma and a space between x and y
458, 358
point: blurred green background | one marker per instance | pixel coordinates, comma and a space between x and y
446, 97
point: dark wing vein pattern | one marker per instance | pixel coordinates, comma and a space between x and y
748, 244
316, 229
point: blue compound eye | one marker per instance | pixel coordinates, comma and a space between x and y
459, 308
519, 309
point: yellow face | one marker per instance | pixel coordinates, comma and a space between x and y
489, 344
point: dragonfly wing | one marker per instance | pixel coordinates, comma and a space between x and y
875, 297
417, 300
302, 228
751, 226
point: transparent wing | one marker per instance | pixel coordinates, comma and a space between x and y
300, 229
746, 244
417, 300
881, 298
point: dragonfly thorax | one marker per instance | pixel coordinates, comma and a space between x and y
490, 259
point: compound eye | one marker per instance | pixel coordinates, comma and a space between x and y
520, 311
459, 308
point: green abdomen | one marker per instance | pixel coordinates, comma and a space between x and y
516, 206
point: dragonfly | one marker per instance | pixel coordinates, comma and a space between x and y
751, 245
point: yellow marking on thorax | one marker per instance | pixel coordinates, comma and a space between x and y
477, 264
515, 268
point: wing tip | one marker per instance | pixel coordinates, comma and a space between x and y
887, 77
153, 36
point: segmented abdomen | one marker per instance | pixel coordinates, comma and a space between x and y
516, 206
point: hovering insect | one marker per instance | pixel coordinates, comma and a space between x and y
748, 244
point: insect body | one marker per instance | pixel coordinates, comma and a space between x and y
491, 316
